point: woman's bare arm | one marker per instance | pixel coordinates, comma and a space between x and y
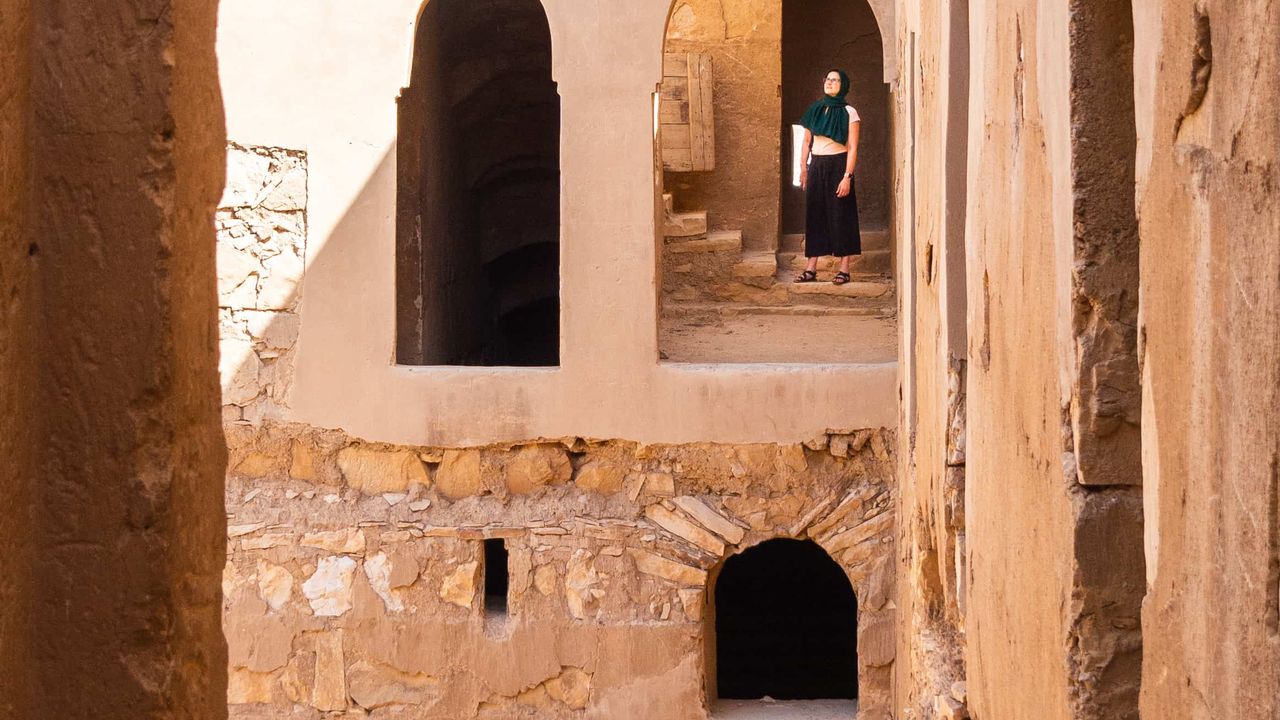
804, 158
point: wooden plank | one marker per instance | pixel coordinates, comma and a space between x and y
674, 89
674, 137
676, 160
671, 112
675, 64
701, 113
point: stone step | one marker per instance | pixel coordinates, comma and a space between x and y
823, 291
871, 262
871, 240
722, 241
682, 225
756, 268
876, 307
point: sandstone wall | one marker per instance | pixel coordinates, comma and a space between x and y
932, 539
1045, 598
1210, 228
17, 366
354, 582
744, 38
126, 514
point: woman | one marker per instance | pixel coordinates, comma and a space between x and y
827, 160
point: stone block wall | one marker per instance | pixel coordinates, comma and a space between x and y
262, 236
355, 571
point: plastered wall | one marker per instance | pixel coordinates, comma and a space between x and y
1207, 97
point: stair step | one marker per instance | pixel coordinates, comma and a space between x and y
865, 309
723, 241
688, 224
871, 240
859, 287
871, 262
756, 264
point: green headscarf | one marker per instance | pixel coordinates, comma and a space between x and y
827, 116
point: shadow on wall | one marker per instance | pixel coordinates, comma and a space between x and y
262, 246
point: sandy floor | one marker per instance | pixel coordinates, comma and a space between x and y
779, 339
785, 710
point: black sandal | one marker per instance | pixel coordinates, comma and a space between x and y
840, 278
806, 276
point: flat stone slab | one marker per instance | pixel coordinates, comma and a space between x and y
714, 242
785, 710
685, 224
857, 288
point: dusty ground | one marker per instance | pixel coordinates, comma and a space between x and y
779, 339
785, 710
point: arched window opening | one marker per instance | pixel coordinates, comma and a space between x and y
478, 195
733, 239
786, 628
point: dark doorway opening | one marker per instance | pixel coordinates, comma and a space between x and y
786, 625
478, 194
818, 35
495, 577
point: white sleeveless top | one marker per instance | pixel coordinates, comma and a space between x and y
823, 145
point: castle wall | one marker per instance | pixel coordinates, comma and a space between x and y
1207, 95
355, 577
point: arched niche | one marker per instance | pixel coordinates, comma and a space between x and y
782, 623
478, 189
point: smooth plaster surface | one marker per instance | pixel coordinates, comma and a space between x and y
610, 383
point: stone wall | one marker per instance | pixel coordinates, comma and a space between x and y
744, 39
110, 117
1208, 82
262, 235
1024, 328
354, 572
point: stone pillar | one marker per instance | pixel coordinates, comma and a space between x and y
119, 464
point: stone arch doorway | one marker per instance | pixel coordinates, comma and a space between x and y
785, 627
478, 189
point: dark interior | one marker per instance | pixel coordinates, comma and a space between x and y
478, 205
495, 577
786, 625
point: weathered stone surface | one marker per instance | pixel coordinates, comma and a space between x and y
658, 566
348, 541
379, 471
377, 568
330, 688
572, 688
275, 584
459, 474
683, 528
459, 585
374, 686
329, 588
578, 583
714, 521
600, 477
535, 466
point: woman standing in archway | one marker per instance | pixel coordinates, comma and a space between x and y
827, 161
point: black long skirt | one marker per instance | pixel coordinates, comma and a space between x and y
831, 223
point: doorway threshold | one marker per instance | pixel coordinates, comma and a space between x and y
785, 710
